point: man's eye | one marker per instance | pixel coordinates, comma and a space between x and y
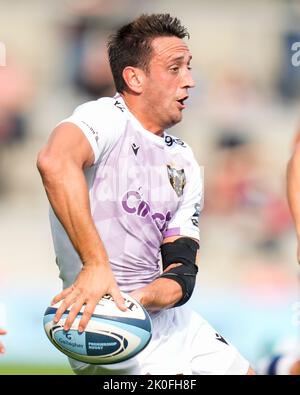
189, 67
174, 68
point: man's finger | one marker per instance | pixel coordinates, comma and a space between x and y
118, 298
64, 306
88, 311
73, 313
2, 331
62, 295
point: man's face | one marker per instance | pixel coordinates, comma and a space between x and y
167, 81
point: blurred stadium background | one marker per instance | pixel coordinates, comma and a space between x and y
241, 120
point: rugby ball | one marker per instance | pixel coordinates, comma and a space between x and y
111, 335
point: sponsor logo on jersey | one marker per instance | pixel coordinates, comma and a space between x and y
135, 148
195, 216
177, 179
172, 140
133, 203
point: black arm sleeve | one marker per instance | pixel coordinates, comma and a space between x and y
182, 250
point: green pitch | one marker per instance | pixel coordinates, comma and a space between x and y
34, 369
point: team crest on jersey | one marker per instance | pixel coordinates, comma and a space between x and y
177, 179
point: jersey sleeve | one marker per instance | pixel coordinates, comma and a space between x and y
101, 123
185, 222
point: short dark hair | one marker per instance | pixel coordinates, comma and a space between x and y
131, 44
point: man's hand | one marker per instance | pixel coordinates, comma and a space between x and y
298, 252
2, 348
93, 282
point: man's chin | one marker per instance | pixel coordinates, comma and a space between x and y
175, 119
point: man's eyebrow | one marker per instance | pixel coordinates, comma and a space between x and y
181, 58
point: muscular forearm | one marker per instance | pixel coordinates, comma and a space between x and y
160, 294
67, 192
165, 292
293, 189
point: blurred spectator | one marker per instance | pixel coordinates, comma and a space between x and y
15, 93
87, 59
14, 96
289, 75
284, 360
94, 76
232, 177
233, 101
89, 67
238, 187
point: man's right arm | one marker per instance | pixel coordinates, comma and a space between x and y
2, 348
61, 163
293, 188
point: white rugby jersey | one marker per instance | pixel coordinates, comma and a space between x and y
143, 188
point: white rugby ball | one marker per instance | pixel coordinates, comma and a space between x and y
111, 335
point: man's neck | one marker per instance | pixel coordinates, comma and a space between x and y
141, 113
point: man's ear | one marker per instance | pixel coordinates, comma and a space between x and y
134, 78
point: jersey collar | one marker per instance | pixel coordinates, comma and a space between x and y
160, 140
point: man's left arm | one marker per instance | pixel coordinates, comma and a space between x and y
179, 248
176, 284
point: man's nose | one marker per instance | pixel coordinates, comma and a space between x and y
188, 80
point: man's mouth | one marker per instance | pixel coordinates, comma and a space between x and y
181, 102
